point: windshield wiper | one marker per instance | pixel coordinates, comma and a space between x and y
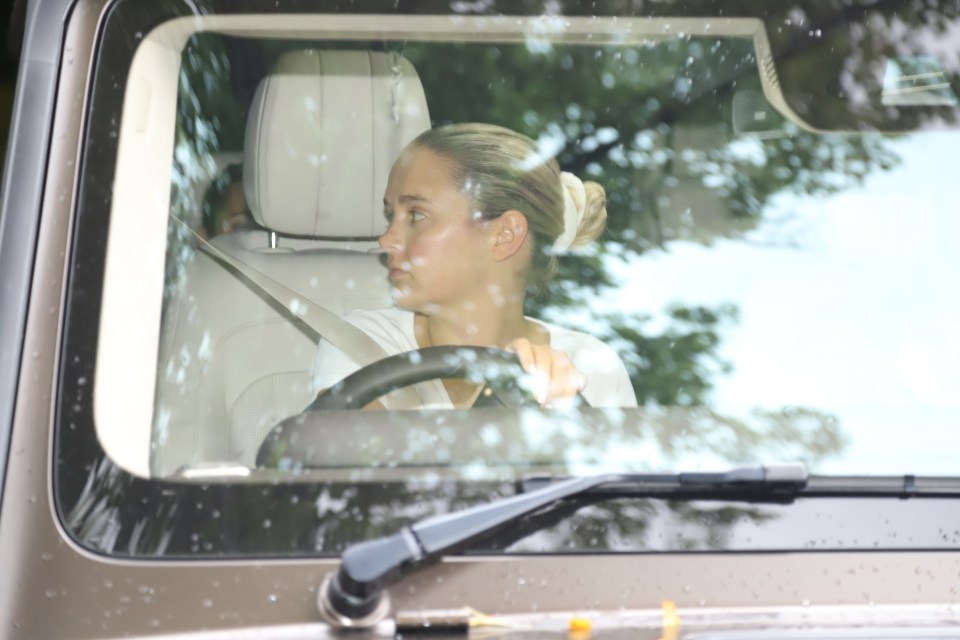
354, 596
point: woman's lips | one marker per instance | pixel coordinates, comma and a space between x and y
395, 273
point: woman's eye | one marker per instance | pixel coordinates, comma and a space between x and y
416, 216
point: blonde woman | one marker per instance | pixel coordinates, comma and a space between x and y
476, 218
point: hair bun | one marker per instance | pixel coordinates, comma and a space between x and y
584, 212
574, 207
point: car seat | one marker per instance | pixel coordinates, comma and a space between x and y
323, 131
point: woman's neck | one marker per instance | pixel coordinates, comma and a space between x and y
483, 325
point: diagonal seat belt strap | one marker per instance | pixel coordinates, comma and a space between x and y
356, 344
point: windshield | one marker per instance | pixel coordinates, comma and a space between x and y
771, 280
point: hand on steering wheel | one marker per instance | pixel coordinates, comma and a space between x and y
554, 375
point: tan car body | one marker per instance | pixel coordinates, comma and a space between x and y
50, 587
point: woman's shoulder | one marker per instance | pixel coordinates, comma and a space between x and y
572, 341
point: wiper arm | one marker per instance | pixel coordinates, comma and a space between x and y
354, 596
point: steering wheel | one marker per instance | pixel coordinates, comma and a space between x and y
500, 370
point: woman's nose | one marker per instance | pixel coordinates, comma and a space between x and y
390, 239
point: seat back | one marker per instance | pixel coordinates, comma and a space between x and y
323, 131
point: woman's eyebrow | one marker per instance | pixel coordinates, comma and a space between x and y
413, 198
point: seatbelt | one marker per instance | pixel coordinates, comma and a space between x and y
360, 347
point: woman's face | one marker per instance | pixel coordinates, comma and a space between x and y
438, 254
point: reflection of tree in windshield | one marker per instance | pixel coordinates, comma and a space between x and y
653, 124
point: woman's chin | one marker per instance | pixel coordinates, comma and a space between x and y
404, 299
402, 296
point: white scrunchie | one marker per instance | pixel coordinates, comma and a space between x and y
574, 206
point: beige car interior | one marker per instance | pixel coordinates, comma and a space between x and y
323, 131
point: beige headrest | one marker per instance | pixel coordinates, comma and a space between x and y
323, 131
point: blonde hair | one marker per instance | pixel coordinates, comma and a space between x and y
501, 170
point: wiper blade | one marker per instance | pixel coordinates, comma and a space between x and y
773, 483
767, 483
354, 596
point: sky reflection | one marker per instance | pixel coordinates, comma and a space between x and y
848, 304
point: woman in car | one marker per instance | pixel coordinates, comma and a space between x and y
477, 216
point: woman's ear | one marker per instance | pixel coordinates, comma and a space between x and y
511, 232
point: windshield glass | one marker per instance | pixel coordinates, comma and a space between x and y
766, 277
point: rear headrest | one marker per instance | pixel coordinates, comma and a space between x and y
323, 131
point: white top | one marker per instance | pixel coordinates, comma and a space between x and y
608, 384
